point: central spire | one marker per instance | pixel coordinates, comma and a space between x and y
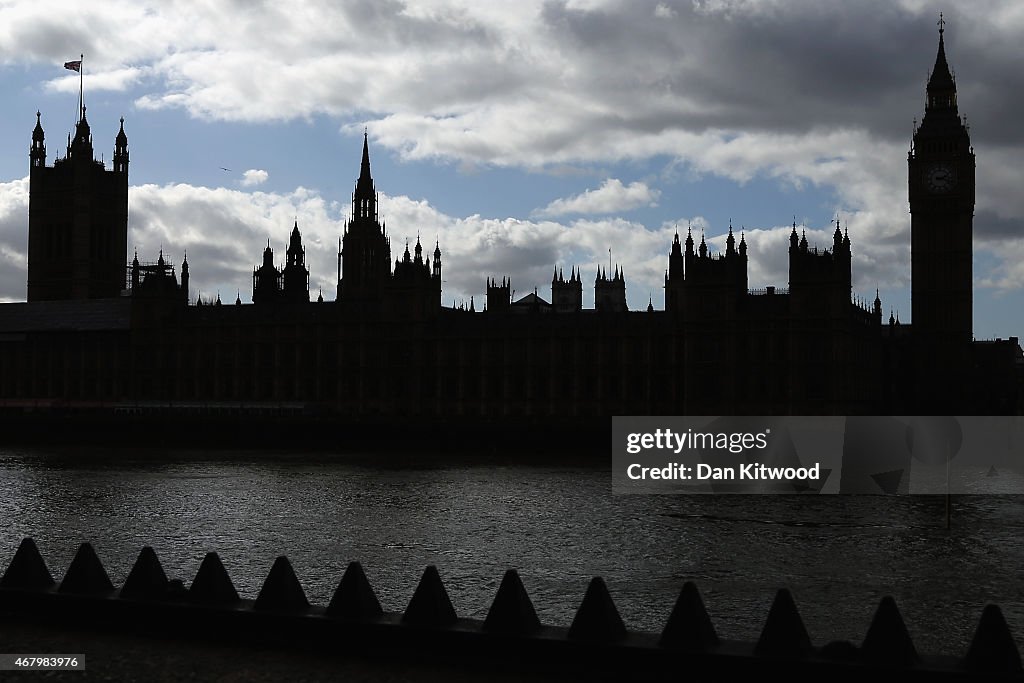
364, 169
364, 199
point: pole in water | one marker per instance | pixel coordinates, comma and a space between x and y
948, 456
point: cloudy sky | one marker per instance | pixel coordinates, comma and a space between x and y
522, 135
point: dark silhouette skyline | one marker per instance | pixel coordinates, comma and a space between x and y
810, 135
386, 348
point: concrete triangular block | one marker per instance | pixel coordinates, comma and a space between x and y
86, 574
354, 598
146, 580
27, 569
888, 641
784, 634
282, 591
597, 618
888, 482
689, 627
993, 648
430, 605
512, 611
212, 583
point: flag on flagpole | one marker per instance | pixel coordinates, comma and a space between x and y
74, 66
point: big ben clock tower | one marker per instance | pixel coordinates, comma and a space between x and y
941, 165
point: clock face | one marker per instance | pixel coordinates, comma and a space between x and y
940, 178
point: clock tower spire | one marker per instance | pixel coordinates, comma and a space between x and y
941, 183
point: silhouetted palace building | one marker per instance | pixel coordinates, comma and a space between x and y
95, 337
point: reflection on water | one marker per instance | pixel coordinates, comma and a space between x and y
558, 524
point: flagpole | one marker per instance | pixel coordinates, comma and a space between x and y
81, 85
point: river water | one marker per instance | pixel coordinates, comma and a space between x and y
556, 522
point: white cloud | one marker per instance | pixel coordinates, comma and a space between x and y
253, 177
611, 197
13, 239
109, 80
663, 11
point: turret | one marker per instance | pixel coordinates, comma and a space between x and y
121, 150
266, 280
295, 276
37, 153
184, 278
81, 145
135, 271
296, 254
675, 260
674, 276
610, 293
566, 295
498, 296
